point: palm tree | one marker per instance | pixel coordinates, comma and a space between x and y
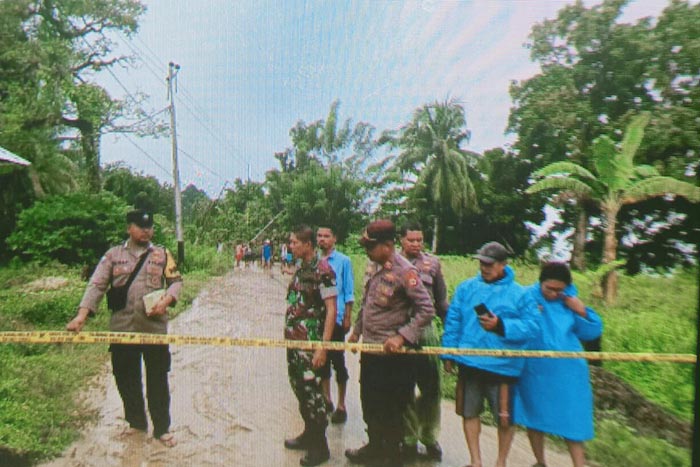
431, 153
618, 183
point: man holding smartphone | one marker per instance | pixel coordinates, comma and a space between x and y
489, 311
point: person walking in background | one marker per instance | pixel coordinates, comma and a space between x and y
310, 316
132, 271
326, 239
284, 261
422, 415
396, 310
248, 255
553, 395
489, 311
239, 254
267, 256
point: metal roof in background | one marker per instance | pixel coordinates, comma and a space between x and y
10, 162
7, 156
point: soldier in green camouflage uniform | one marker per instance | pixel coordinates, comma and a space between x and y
311, 311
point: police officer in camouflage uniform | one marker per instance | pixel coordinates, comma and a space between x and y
158, 271
422, 416
396, 309
311, 312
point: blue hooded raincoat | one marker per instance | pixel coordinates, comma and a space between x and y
553, 395
504, 298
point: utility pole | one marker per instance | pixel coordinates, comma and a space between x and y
173, 69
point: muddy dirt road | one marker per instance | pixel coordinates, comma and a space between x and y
234, 406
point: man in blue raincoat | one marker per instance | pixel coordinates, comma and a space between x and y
489, 311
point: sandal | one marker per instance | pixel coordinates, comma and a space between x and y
167, 440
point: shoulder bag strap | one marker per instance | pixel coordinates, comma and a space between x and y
132, 276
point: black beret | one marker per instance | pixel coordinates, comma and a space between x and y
140, 217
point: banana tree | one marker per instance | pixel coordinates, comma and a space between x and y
617, 182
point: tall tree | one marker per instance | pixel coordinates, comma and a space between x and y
322, 175
27, 100
433, 162
617, 182
595, 72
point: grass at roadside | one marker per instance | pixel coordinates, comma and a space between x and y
40, 411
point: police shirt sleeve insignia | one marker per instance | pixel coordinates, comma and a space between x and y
411, 279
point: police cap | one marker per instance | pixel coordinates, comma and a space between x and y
378, 231
140, 217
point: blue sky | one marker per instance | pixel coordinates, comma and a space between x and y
251, 69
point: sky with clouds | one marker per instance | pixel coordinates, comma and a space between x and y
249, 70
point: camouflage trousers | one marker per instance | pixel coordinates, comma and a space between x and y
306, 385
422, 416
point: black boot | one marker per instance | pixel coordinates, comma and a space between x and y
318, 451
367, 454
392, 455
301, 442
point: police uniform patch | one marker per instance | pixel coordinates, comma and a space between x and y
171, 271
411, 279
157, 255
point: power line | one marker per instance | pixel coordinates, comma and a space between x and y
198, 113
143, 151
137, 52
188, 101
148, 117
190, 157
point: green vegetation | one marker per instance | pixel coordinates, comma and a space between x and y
615, 444
39, 412
73, 229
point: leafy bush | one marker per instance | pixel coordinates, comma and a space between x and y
73, 229
43, 309
204, 258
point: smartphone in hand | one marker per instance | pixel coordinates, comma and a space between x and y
482, 310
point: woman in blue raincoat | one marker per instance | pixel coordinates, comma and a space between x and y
553, 395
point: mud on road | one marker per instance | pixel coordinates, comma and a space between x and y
234, 407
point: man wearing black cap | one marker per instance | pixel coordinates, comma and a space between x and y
396, 309
489, 311
136, 272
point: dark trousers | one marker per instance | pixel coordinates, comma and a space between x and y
386, 387
336, 358
126, 367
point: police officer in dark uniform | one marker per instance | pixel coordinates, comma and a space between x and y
396, 309
422, 416
146, 268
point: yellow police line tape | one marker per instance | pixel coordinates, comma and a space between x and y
54, 337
